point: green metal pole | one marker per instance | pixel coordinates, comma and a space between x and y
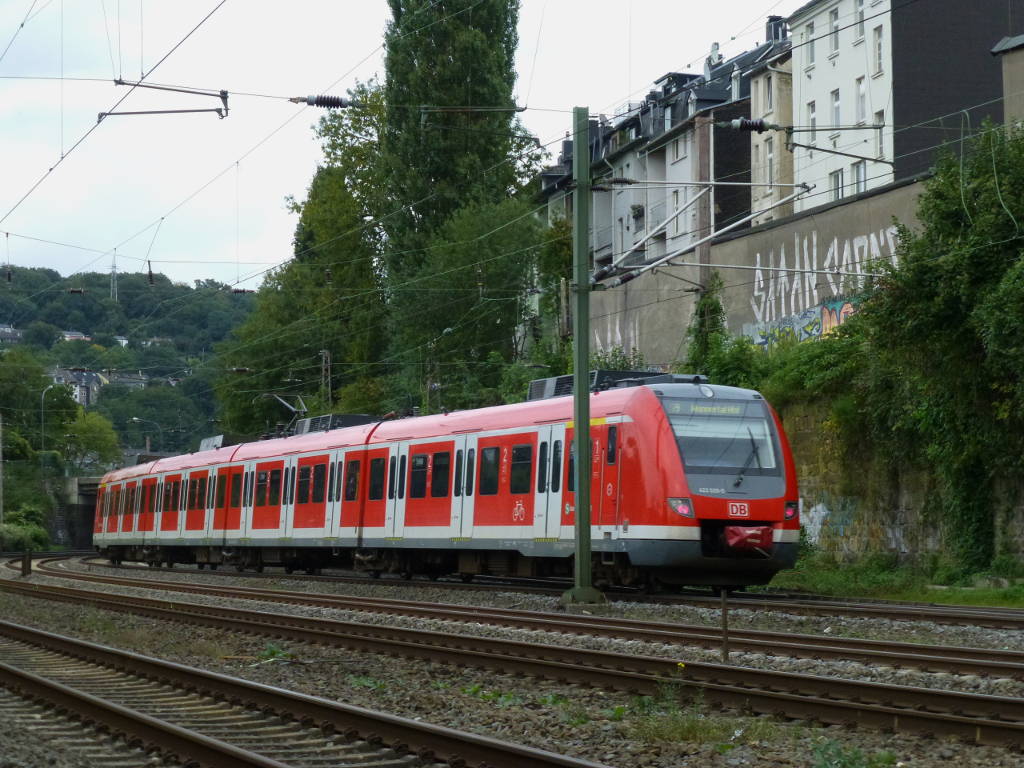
583, 591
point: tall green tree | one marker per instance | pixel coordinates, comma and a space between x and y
449, 127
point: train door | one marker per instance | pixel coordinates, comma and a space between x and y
97, 518
463, 490
248, 494
309, 505
147, 507
368, 492
608, 506
218, 521
547, 504
195, 509
128, 514
398, 479
266, 505
171, 505
234, 484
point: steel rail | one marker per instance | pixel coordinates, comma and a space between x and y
930, 657
979, 718
430, 742
815, 605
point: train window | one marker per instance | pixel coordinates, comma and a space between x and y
222, 490
201, 493
275, 487
556, 466
418, 476
319, 482
571, 485
352, 480
613, 433
522, 469
330, 483
236, 489
442, 471
154, 496
252, 487
470, 470
338, 480
175, 493
191, 487
489, 471
391, 478
261, 488
457, 490
376, 479
542, 468
303, 487
401, 478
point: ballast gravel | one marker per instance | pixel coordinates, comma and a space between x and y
607, 727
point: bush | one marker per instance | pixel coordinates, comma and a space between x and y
23, 538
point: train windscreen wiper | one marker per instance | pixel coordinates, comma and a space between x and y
754, 455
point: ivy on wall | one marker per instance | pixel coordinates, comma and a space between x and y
930, 373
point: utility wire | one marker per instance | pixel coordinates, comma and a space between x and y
110, 109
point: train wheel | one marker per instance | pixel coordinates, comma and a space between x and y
406, 575
374, 574
289, 569
200, 566
466, 577
239, 568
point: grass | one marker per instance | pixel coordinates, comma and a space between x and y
882, 576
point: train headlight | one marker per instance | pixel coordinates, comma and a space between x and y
792, 507
682, 507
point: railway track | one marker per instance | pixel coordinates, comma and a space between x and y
205, 718
812, 605
982, 719
998, 663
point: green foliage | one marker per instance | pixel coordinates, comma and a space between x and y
618, 359
707, 329
91, 443
23, 538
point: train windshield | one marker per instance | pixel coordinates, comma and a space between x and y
734, 437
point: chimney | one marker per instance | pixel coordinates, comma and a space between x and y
775, 29
713, 60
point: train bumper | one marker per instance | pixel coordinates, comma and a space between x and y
685, 562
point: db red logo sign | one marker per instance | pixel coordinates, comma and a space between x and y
738, 509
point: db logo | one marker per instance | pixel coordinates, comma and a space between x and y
519, 511
738, 509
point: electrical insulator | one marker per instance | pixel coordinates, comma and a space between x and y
151, 281
327, 102
328, 278
76, 290
744, 124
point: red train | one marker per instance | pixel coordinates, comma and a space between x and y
690, 484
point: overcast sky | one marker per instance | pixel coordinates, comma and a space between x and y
203, 197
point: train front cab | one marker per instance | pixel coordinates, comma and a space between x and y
729, 508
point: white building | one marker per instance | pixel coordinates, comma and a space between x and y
842, 89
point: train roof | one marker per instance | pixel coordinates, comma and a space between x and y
552, 410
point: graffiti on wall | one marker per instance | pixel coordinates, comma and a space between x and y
811, 323
789, 283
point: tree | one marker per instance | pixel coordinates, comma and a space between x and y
436, 159
92, 444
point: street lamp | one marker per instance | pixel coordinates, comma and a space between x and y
42, 418
137, 420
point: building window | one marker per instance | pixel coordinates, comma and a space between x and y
835, 185
768, 98
769, 160
835, 109
675, 207
860, 176
862, 101
756, 164
878, 50
810, 43
833, 23
675, 150
812, 119
860, 19
879, 144
735, 83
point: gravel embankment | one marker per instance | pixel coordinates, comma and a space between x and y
604, 726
